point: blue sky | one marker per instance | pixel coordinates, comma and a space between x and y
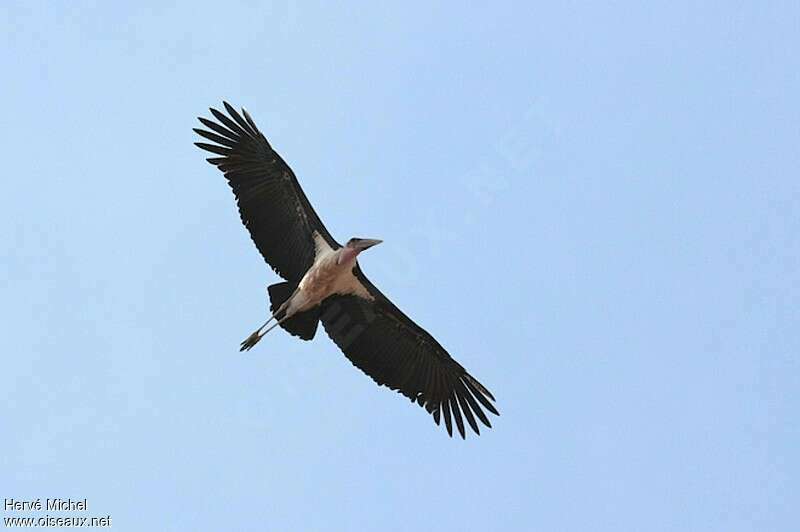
594, 208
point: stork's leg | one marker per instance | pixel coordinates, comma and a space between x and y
267, 322
276, 324
253, 339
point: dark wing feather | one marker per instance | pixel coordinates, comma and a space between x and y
396, 352
271, 203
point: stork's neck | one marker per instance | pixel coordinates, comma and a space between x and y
347, 254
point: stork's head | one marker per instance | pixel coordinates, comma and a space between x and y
360, 244
355, 246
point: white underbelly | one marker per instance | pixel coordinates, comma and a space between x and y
326, 278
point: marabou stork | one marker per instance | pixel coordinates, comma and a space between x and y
325, 283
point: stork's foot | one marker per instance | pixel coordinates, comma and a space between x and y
251, 340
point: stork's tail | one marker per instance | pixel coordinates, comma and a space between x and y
303, 324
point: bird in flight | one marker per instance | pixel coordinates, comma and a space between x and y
324, 282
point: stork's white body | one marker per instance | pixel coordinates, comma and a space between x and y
331, 273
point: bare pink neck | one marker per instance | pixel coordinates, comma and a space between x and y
347, 254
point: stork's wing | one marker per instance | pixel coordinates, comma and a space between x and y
271, 203
396, 352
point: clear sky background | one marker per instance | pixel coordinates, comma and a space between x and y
594, 208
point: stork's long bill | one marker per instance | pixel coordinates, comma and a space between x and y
324, 282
